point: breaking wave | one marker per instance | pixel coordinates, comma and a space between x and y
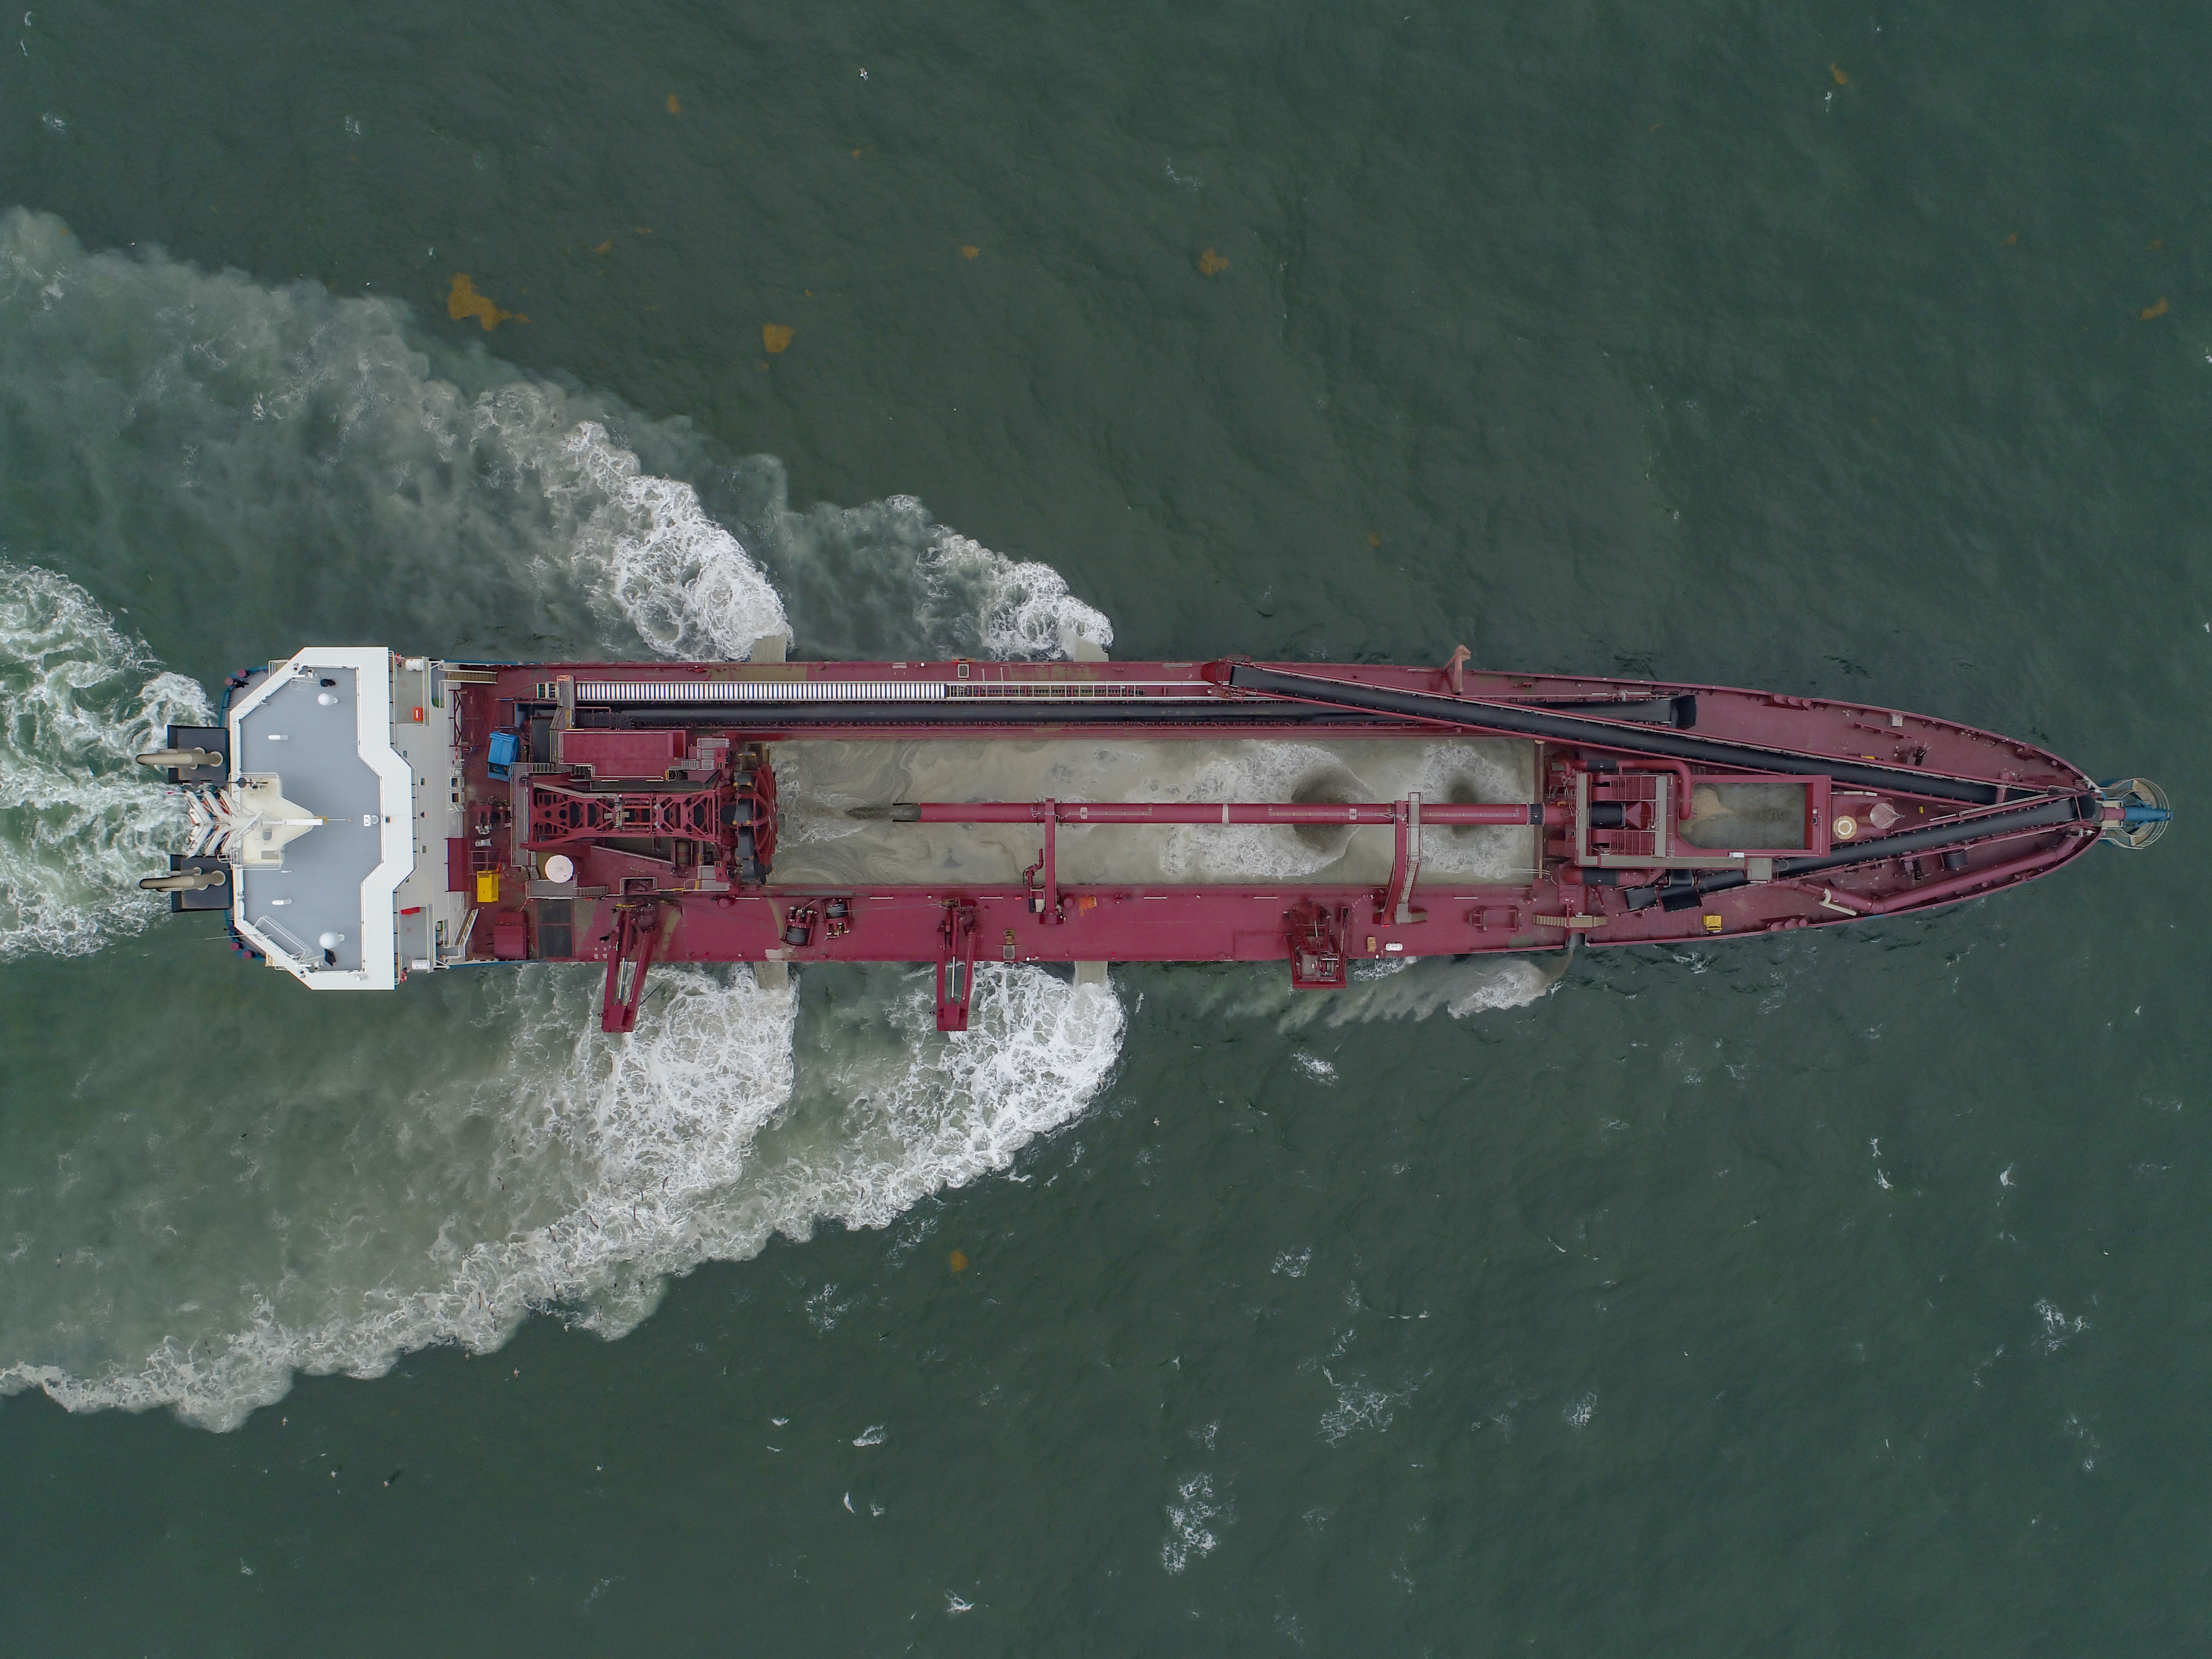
394, 487
80, 820
1406, 989
502, 1158
510, 1158
572, 1172
259, 435
876, 582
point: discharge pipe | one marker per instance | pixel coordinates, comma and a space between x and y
1678, 895
1076, 812
186, 881
1472, 715
181, 759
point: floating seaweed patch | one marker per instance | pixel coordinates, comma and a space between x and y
1211, 264
674, 104
776, 337
2150, 311
464, 302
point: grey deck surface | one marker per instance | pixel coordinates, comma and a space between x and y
318, 758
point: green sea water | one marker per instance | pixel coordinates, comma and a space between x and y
1841, 1294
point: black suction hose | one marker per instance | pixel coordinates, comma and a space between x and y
1603, 734
1680, 895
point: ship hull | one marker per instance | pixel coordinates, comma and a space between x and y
1313, 816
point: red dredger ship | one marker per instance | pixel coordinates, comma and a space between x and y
362, 817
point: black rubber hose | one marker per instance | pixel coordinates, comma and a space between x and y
1640, 740
2067, 809
766, 719
2045, 815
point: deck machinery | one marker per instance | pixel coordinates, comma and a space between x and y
362, 817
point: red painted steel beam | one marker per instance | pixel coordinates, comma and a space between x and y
637, 930
1959, 886
559, 816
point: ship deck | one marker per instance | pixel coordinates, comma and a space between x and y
852, 746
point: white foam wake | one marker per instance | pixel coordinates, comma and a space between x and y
526, 1162
600, 1167
1402, 989
685, 583
80, 820
449, 501
1020, 608
448, 497
887, 580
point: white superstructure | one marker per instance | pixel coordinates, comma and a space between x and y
342, 794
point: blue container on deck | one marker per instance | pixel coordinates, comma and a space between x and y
506, 750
